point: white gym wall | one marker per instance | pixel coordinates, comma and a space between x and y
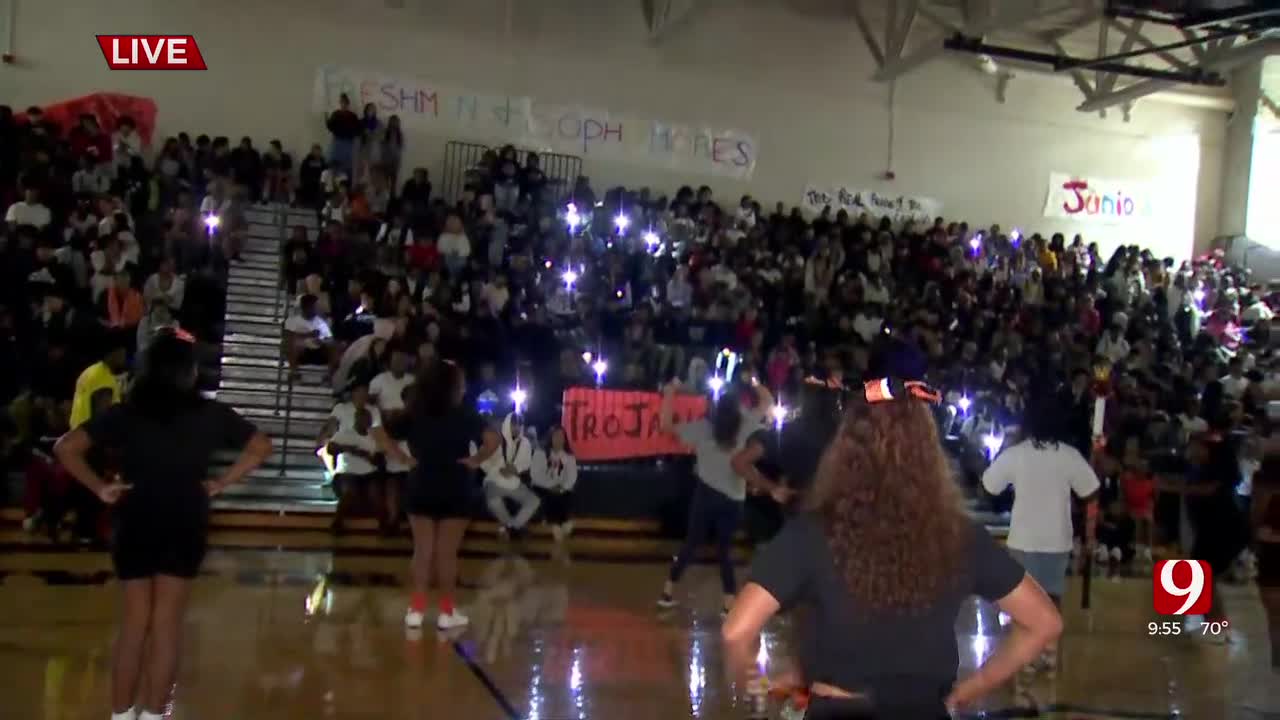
796, 80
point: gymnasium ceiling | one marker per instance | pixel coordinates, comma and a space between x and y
1147, 46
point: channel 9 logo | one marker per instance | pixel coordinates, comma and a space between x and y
1182, 587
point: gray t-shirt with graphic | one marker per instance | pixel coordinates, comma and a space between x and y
712, 462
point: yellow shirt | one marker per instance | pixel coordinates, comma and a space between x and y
1049, 260
94, 378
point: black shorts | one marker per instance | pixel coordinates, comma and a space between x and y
138, 552
444, 497
313, 356
357, 483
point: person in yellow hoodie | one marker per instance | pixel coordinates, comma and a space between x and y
104, 375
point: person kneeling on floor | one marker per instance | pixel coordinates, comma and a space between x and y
506, 477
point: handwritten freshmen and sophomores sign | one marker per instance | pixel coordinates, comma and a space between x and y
623, 424
1094, 200
540, 125
898, 208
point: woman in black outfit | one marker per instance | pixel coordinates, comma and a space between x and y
1221, 528
165, 434
448, 442
883, 557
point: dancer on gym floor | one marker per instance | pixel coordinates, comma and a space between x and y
886, 557
1044, 470
725, 454
442, 493
165, 434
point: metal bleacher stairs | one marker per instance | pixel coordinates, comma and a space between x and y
255, 379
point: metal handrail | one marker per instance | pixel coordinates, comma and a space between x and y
281, 316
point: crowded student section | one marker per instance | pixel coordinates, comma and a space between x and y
574, 307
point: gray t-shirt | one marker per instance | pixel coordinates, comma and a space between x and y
712, 461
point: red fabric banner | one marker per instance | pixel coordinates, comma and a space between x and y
108, 108
623, 424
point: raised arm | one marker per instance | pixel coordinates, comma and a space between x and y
666, 409
764, 398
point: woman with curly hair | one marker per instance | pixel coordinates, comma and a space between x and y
883, 558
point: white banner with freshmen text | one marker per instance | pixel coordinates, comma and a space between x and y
534, 124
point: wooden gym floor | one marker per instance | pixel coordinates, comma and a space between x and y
286, 627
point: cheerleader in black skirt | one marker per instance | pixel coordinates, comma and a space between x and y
165, 434
442, 493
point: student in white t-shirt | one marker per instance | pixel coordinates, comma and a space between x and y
356, 467
28, 211
343, 417
1044, 471
388, 391
507, 478
308, 339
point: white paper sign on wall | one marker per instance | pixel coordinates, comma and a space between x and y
535, 124
1096, 200
898, 208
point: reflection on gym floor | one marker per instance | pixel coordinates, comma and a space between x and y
310, 635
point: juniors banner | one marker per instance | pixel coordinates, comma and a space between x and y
898, 208
623, 424
536, 124
1095, 200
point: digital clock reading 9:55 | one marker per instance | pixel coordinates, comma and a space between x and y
1164, 628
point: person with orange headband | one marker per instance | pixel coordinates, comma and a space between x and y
884, 557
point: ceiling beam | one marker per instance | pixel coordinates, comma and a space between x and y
1134, 31
1108, 83
1212, 43
868, 37
897, 41
1077, 76
665, 15
935, 47
1224, 61
1196, 48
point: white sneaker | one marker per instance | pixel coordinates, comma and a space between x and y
453, 620
144, 715
130, 714
413, 619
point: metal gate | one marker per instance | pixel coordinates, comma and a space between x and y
462, 158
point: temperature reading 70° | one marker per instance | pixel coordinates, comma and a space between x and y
1214, 628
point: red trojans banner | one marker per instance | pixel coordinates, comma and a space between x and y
108, 108
623, 424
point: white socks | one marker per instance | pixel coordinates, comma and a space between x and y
134, 714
